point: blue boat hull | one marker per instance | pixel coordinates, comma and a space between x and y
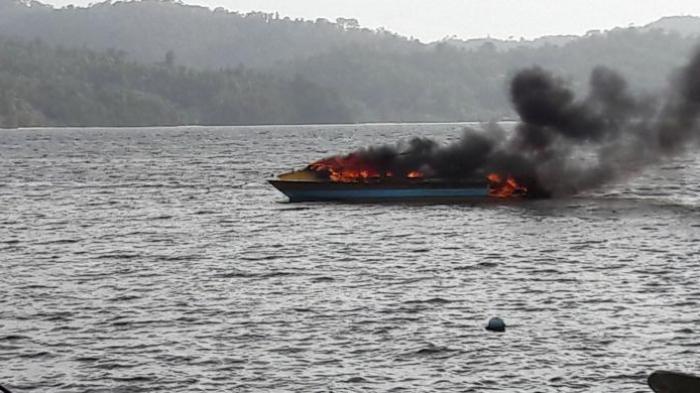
380, 192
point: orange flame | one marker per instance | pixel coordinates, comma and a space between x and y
353, 169
414, 175
505, 187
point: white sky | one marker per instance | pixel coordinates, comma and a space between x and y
432, 20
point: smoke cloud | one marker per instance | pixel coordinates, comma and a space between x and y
564, 144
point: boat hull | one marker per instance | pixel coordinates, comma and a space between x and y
302, 191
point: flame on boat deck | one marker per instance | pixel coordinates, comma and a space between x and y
352, 168
505, 186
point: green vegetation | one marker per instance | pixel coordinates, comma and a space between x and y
40, 86
200, 37
158, 62
449, 83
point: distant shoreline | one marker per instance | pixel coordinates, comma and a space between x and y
259, 125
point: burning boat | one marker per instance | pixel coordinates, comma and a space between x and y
353, 179
561, 146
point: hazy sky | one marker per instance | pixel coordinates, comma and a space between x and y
434, 19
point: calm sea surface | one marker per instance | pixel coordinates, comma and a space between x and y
159, 260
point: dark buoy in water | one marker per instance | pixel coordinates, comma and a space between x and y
672, 382
496, 325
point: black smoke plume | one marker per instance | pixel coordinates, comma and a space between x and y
564, 144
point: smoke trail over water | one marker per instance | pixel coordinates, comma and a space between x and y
564, 144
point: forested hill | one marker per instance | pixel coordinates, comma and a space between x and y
204, 38
199, 37
45, 86
450, 83
157, 62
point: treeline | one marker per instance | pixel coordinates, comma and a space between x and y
201, 38
448, 83
160, 62
45, 86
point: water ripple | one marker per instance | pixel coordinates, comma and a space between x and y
159, 260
